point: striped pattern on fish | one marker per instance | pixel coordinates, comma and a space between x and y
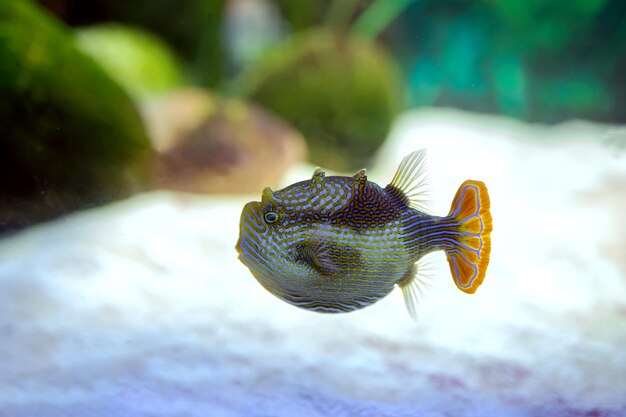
338, 244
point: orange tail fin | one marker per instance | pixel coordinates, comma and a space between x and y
470, 256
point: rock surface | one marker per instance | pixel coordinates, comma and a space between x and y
141, 308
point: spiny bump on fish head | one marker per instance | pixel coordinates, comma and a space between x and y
359, 181
267, 197
318, 176
268, 206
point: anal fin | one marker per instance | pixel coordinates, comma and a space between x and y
411, 285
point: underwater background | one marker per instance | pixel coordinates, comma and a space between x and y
135, 132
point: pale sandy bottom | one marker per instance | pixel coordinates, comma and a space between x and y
141, 308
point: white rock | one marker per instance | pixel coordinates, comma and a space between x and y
141, 308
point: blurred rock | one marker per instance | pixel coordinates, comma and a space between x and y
136, 59
191, 27
208, 144
342, 93
181, 24
250, 27
71, 137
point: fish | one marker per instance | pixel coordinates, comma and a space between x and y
335, 244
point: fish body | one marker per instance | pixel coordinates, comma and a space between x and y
338, 244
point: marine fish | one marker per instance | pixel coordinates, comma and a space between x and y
337, 244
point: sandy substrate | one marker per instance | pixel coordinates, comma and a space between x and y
141, 308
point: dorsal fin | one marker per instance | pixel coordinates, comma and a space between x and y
409, 183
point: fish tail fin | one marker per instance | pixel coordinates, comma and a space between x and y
469, 256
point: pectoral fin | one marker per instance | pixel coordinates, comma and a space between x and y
315, 251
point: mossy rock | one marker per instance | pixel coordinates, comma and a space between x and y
71, 136
341, 92
209, 144
182, 24
136, 59
191, 27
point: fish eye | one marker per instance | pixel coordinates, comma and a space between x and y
271, 217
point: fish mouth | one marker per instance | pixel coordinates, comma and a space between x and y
243, 248
238, 249
238, 246
250, 220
